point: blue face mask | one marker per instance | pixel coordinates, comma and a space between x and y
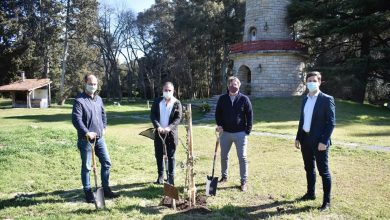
312, 86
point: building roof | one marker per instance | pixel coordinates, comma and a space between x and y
25, 85
264, 45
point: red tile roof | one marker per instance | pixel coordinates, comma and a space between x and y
288, 45
26, 85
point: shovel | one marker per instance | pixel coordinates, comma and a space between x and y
99, 194
169, 190
212, 182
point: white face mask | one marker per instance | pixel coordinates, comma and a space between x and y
168, 95
90, 89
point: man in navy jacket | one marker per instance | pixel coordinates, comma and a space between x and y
233, 116
316, 124
89, 118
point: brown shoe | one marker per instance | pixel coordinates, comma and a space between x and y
244, 186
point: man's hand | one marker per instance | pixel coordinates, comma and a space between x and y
160, 130
219, 129
297, 144
167, 130
91, 135
321, 147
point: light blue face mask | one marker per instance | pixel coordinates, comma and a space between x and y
312, 86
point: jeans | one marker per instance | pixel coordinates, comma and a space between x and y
312, 156
240, 140
101, 152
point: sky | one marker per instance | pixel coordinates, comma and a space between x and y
135, 5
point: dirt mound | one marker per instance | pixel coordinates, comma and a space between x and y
183, 206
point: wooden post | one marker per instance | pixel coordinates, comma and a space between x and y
147, 104
174, 204
28, 99
13, 100
49, 98
192, 188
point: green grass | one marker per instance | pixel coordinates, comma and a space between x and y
366, 124
40, 165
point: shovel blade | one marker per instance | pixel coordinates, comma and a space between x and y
99, 198
171, 191
211, 186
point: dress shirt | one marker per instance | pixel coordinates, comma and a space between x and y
308, 111
165, 111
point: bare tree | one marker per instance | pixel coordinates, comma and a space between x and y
109, 39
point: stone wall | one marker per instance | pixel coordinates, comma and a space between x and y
268, 17
280, 73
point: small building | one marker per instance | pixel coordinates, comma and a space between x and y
29, 93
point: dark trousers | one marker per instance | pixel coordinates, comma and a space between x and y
158, 152
311, 156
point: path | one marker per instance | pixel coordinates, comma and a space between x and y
352, 145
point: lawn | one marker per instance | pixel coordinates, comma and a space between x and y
39, 166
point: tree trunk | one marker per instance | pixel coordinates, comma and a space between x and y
61, 99
363, 74
46, 60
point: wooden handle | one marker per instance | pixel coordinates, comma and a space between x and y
93, 159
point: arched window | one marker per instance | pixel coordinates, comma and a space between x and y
252, 34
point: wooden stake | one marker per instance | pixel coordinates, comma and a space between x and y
192, 188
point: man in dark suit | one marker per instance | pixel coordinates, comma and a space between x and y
166, 115
316, 125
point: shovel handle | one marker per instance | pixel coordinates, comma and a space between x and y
218, 135
93, 158
165, 156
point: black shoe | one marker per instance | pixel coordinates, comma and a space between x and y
109, 194
307, 197
89, 197
160, 180
325, 207
223, 180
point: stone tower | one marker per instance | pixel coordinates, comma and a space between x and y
268, 61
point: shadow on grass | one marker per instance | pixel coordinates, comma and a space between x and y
149, 210
371, 134
267, 210
60, 196
146, 191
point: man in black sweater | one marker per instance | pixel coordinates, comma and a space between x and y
233, 116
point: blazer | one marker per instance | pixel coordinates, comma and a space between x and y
174, 117
323, 120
